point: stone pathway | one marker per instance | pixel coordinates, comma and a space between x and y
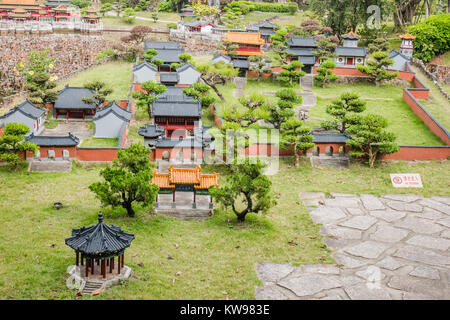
309, 98
393, 247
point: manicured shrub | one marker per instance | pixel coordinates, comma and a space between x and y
433, 37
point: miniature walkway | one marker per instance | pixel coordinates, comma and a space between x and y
309, 98
393, 247
50, 166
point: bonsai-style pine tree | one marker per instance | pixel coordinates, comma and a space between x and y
284, 108
200, 91
378, 44
146, 98
325, 49
219, 73
228, 47
101, 91
251, 110
291, 74
343, 111
369, 140
13, 142
245, 191
149, 55
127, 181
376, 68
259, 65
185, 57
324, 73
300, 138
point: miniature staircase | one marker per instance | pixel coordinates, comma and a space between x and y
307, 82
91, 286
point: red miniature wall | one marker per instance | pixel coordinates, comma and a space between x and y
420, 111
253, 74
419, 153
58, 152
1, 130
97, 154
345, 72
123, 104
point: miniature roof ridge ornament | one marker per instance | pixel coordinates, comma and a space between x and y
407, 36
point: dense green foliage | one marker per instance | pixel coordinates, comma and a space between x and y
324, 73
432, 37
300, 138
343, 111
291, 73
283, 110
13, 142
248, 6
246, 187
200, 91
127, 180
145, 99
101, 91
376, 67
369, 140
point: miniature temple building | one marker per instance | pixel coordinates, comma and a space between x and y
28, 114
249, 43
99, 245
168, 52
301, 49
70, 103
349, 54
110, 120
187, 12
185, 180
407, 46
144, 71
91, 16
265, 28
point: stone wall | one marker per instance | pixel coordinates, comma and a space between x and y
432, 76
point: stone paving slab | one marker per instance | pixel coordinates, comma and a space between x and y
390, 247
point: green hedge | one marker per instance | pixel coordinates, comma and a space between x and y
247, 6
433, 37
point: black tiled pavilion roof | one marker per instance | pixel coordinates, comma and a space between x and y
99, 240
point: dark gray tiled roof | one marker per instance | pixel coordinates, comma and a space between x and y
157, 45
187, 14
330, 137
26, 108
241, 64
115, 109
70, 98
151, 131
351, 51
267, 33
302, 42
100, 239
146, 65
54, 141
185, 66
300, 52
168, 77
187, 9
169, 55
174, 94
307, 59
177, 108
179, 143
223, 56
264, 24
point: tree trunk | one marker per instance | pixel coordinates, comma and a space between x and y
129, 208
215, 89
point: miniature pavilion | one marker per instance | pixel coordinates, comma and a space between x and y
185, 180
249, 43
407, 46
99, 244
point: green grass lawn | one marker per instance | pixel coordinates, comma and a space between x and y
386, 101
100, 142
117, 75
114, 21
437, 104
163, 16
216, 256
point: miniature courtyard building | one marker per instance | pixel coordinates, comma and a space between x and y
57, 3
188, 74
70, 103
401, 62
197, 26
221, 58
31, 10
151, 133
99, 245
249, 43
168, 78
176, 112
187, 12
111, 121
301, 49
265, 29
407, 46
144, 71
54, 147
349, 54
28, 114
168, 52
185, 180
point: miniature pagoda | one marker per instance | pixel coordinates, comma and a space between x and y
99, 244
407, 46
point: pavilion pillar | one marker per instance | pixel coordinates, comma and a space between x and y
118, 265
103, 268
123, 259
87, 268
194, 204
110, 265
92, 266
76, 259
82, 259
173, 199
67, 115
